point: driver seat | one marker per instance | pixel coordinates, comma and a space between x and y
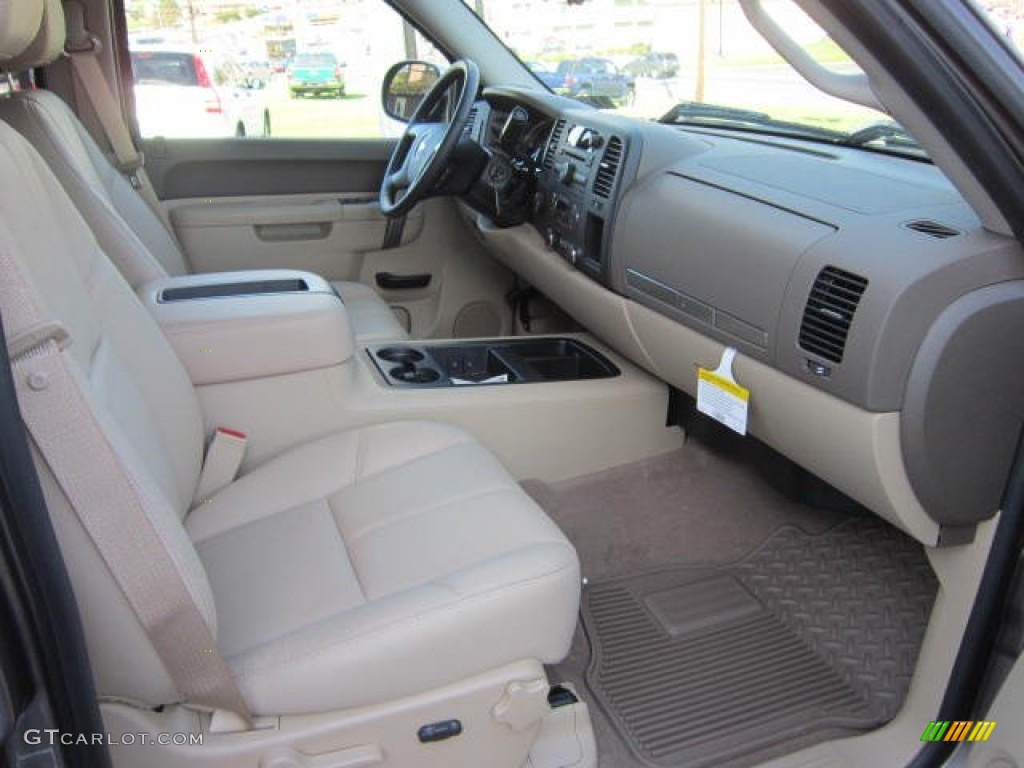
126, 227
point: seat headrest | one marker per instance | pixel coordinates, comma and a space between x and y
47, 42
19, 22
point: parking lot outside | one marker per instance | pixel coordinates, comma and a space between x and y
721, 61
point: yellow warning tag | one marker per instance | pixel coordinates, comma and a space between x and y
720, 397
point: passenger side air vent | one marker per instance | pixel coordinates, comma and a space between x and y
556, 136
932, 229
469, 129
829, 312
605, 179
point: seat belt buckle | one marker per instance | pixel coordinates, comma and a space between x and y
223, 458
131, 168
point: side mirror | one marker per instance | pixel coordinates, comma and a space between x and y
404, 87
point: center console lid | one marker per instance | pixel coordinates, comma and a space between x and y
230, 326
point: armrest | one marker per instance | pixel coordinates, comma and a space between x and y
230, 326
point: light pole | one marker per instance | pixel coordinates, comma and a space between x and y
721, 28
190, 8
698, 94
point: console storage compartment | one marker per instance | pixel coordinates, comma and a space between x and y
233, 326
490, 361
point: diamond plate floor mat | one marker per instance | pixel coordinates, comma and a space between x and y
809, 637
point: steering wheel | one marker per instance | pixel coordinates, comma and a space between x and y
426, 146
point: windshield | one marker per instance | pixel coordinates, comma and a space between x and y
693, 62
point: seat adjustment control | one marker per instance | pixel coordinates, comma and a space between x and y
439, 731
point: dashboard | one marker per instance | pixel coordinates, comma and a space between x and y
855, 280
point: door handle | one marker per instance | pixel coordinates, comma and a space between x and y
391, 282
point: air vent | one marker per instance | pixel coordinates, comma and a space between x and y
469, 129
829, 312
556, 137
605, 179
932, 229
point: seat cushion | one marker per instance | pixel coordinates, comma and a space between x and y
379, 563
370, 317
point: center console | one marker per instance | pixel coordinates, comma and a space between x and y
234, 326
489, 362
577, 191
272, 355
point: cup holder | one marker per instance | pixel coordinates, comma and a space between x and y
400, 355
410, 374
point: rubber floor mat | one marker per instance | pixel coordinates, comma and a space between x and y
810, 637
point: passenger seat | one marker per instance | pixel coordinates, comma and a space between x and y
112, 208
384, 596
385, 580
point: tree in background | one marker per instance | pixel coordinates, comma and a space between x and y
168, 13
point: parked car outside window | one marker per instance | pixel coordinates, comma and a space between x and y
598, 80
316, 74
653, 64
184, 93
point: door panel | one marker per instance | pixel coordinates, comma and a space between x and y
312, 205
326, 234
1004, 748
233, 167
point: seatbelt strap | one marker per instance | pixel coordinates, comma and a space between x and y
82, 47
223, 458
110, 503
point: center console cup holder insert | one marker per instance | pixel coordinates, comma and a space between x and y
487, 362
405, 355
411, 374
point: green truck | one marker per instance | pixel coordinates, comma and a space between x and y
316, 74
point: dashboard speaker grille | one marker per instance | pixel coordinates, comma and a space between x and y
829, 312
556, 136
605, 179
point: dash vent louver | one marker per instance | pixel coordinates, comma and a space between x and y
556, 136
829, 312
470, 127
933, 229
604, 181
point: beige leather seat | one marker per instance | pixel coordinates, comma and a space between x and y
379, 565
109, 203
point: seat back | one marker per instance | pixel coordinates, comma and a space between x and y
138, 392
128, 230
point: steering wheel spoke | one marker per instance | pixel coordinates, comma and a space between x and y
397, 180
426, 147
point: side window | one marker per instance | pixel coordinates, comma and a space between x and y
253, 69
